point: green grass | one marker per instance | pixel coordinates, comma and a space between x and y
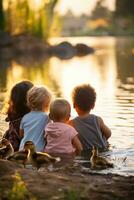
18, 190
71, 195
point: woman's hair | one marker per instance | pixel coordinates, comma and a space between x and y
84, 97
59, 109
38, 98
18, 98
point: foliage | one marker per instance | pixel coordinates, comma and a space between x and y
100, 19
124, 17
124, 8
56, 26
1, 15
17, 16
100, 11
71, 195
18, 191
23, 17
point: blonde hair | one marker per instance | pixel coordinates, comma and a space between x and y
38, 98
59, 109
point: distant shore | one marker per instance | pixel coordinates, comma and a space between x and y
13, 47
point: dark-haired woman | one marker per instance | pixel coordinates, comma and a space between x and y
16, 110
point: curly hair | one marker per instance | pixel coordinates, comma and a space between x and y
84, 97
38, 97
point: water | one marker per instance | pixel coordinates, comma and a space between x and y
110, 70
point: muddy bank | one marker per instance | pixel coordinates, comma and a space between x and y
64, 183
13, 47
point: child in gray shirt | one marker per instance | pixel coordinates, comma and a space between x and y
91, 128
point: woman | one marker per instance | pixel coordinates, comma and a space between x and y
16, 110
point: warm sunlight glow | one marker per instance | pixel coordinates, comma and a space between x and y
35, 4
93, 24
99, 70
14, 74
79, 7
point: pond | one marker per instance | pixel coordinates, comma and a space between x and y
110, 70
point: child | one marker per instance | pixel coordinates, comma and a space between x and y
16, 110
33, 124
91, 128
61, 138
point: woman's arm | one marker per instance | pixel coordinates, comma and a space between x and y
21, 133
77, 145
104, 129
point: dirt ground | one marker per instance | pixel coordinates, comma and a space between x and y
69, 183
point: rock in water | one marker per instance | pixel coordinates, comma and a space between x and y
64, 50
82, 49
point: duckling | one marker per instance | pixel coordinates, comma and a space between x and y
20, 157
98, 162
37, 159
6, 149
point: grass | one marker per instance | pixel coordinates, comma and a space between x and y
71, 195
19, 190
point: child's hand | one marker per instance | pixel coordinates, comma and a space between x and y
77, 145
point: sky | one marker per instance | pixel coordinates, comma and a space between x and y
80, 6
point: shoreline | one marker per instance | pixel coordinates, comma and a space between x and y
65, 183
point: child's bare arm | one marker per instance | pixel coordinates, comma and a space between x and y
77, 145
21, 133
105, 130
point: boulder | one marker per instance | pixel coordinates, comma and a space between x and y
82, 49
64, 50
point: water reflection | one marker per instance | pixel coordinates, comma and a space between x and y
110, 70
38, 73
125, 59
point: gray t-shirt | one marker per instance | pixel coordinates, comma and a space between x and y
33, 125
89, 132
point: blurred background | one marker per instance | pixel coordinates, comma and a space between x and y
42, 40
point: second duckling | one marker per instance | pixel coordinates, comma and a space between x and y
98, 162
37, 159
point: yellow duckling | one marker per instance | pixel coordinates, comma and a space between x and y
6, 149
98, 162
37, 159
20, 157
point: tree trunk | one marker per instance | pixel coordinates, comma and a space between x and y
2, 24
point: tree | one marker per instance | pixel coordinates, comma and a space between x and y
21, 17
49, 15
100, 11
2, 21
124, 8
